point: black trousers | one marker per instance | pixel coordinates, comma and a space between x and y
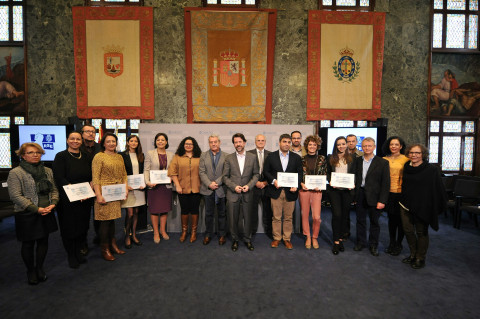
374, 214
340, 200
416, 232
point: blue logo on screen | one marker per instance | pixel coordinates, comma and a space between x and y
46, 140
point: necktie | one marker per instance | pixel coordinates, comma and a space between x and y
261, 161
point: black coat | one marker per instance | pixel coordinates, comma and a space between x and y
273, 165
128, 163
377, 181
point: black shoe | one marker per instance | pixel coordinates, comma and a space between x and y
340, 247
42, 276
250, 246
235, 245
73, 262
418, 264
389, 249
397, 250
408, 260
373, 250
137, 242
335, 249
129, 245
358, 247
32, 277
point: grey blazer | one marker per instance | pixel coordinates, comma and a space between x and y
152, 163
22, 189
207, 175
233, 178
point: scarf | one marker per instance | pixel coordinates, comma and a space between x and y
43, 185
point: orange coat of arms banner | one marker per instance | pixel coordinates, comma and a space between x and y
345, 60
229, 62
114, 62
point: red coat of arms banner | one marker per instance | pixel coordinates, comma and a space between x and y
114, 62
229, 60
345, 60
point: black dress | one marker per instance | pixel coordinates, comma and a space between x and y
71, 168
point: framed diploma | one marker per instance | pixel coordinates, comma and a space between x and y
136, 181
159, 177
287, 179
78, 191
114, 192
343, 180
316, 181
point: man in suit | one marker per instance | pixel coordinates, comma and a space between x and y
240, 174
372, 186
282, 198
212, 189
259, 190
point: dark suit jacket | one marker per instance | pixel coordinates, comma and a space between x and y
377, 181
128, 163
273, 165
261, 178
232, 177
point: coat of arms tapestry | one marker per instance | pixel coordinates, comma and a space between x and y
114, 62
345, 60
229, 64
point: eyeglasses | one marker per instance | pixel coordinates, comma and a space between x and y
34, 153
415, 153
89, 132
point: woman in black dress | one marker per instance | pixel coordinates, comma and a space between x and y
71, 167
32, 190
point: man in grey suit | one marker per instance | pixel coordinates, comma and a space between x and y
240, 173
212, 189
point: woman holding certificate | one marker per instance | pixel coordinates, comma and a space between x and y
159, 195
311, 193
394, 148
340, 161
184, 172
33, 192
73, 167
110, 184
133, 159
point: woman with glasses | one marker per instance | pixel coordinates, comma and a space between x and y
184, 172
423, 198
33, 192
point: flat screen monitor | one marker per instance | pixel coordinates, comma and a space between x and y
53, 138
329, 135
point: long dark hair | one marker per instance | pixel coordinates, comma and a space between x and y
102, 141
386, 146
181, 147
138, 150
334, 158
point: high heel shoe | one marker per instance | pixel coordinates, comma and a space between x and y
156, 240
308, 243
335, 249
137, 241
315, 243
165, 236
128, 242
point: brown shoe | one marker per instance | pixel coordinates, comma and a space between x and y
115, 248
106, 254
222, 240
206, 240
184, 228
275, 243
288, 244
193, 236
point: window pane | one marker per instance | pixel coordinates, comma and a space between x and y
438, 4
115, 124
19, 120
5, 155
4, 21
231, 1
364, 3
134, 124
469, 127
114, 0
122, 141
437, 30
456, 4
361, 123
455, 31
342, 123
252, 2
452, 127
327, 2
325, 123
346, 3
4, 121
433, 158
468, 155
451, 153
97, 123
472, 32
212, 2
474, 5
17, 23
435, 126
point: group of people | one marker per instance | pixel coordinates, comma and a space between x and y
232, 185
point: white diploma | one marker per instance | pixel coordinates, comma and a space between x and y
287, 179
114, 192
136, 181
343, 180
159, 177
78, 191
316, 181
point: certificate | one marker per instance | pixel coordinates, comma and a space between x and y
287, 179
316, 181
114, 192
136, 181
343, 180
78, 191
159, 177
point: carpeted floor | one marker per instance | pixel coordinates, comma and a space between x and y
174, 280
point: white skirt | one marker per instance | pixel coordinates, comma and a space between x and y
135, 198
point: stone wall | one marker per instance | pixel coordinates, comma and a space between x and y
51, 72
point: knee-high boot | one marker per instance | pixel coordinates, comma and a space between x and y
193, 236
106, 254
184, 228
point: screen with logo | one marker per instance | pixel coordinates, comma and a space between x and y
53, 138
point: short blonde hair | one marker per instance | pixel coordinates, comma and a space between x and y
21, 151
